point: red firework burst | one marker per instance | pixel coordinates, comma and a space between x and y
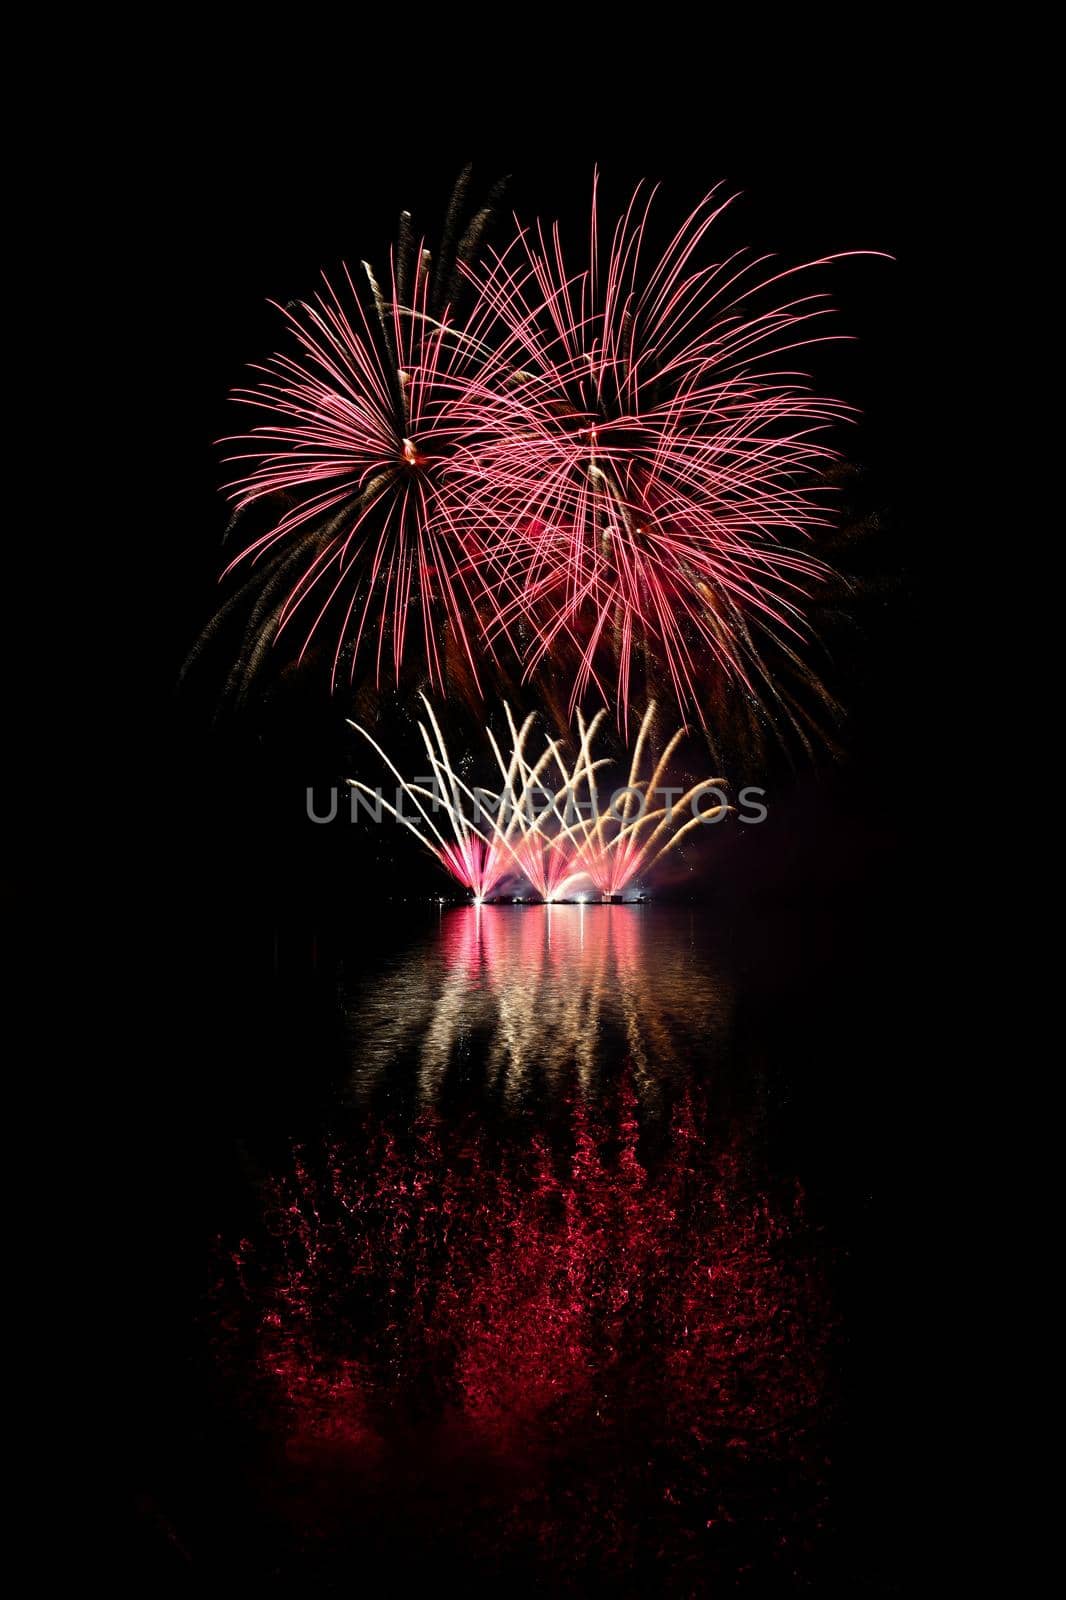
646, 465
360, 426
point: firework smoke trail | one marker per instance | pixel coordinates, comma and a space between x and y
645, 462
554, 837
360, 427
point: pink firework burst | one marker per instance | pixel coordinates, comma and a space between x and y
650, 466
359, 429
476, 864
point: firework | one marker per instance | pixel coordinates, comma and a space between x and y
548, 824
357, 429
647, 464
612, 844
600, 471
475, 854
539, 810
361, 422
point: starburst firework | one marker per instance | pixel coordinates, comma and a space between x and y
361, 428
354, 548
601, 471
648, 471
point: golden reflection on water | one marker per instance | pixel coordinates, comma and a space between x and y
542, 990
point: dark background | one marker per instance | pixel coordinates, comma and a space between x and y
248, 201
235, 233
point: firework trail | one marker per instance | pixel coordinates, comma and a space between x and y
647, 462
475, 855
612, 844
362, 422
540, 854
555, 835
346, 463
601, 471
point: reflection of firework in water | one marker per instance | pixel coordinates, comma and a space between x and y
568, 1350
542, 998
549, 822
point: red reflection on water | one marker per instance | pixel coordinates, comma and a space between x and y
498, 940
538, 993
569, 1350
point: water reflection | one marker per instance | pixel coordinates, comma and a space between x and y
563, 1353
539, 994
581, 1349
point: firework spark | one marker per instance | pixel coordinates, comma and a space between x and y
548, 824
602, 471
476, 854
647, 463
612, 844
357, 429
361, 424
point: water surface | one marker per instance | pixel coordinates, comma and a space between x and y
524, 1259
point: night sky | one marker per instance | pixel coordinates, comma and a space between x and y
246, 200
